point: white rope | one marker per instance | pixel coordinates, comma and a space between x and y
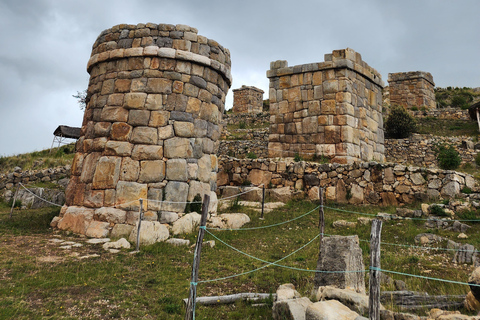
39, 197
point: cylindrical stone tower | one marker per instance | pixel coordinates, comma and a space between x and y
153, 117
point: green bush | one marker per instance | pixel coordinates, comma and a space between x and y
438, 211
447, 157
195, 205
242, 125
251, 155
400, 124
297, 158
477, 159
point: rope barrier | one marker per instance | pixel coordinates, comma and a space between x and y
269, 226
45, 200
424, 277
275, 263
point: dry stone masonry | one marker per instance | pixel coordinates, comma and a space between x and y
412, 89
331, 108
247, 100
154, 114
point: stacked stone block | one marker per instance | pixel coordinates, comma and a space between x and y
412, 89
154, 112
248, 100
331, 108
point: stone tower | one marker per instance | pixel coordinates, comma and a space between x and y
155, 102
331, 108
412, 89
247, 99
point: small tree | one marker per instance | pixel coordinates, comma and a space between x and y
448, 158
400, 124
81, 97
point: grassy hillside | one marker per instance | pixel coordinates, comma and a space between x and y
41, 280
39, 159
456, 97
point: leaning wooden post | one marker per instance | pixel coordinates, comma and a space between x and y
140, 218
14, 199
263, 201
374, 297
321, 226
190, 311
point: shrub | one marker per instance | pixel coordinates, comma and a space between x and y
447, 157
251, 155
414, 108
400, 124
242, 125
297, 158
438, 211
466, 190
195, 205
477, 159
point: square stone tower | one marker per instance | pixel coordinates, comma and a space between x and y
247, 100
412, 89
331, 108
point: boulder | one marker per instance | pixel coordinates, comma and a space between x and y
122, 243
340, 253
186, 224
286, 292
150, 233
471, 303
178, 242
329, 310
344, 224
121, 231
475, 281
98, 229
353, 300
465, 254
235, 220
280, 194
291, 309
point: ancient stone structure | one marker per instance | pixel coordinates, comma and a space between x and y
154, 114
412, 89
247, 100
331, 108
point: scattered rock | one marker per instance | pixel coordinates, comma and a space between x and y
291, 309
286, 292
353, 300
465, 254
122, 243
151, 232
186, 224
329, 310
462, 236
400, 285
344, 224
178, 242
97, 241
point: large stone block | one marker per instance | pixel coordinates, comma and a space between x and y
175, 196
150, 233
151, 171
107, 173
76, 219
178, 148
177, 170
147, 152
129, 193
339, 253
144, 135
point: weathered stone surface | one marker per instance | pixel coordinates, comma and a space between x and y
292, 309
121, 231
129, 193
235, 220
329, 310
351, 299
150, 233
340, 253
109, 214
175, 196
107, 173
177, 170
119, 244
287, 291
186, 224
178, 148
260, 177
76, 219
98, 229
151, 171
280, 194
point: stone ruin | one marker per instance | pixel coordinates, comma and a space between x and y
156, 96
412, 89
331, 108
247, 99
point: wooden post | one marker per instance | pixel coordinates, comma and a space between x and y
263, 201
190, 311
374, 297
14, 199
321, 226
140, 218
478, 119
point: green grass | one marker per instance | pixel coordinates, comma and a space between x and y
447, 128
152, 284
38, 159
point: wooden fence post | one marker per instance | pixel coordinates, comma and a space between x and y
263, 201
14, 199
190, 311
374, 296
140, 218
321, 226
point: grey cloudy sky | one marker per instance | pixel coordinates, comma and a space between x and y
45, 46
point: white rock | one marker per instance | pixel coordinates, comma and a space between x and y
186, 224
150, 233
178, 242
329, 310
235, 220
122, 243
291, 309
287, 292
97, 241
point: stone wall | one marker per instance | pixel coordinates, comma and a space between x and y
247, 119
331, 108
418, 150
153, 117
444, 113
8, 181
247, 99
412, 89
358, 183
